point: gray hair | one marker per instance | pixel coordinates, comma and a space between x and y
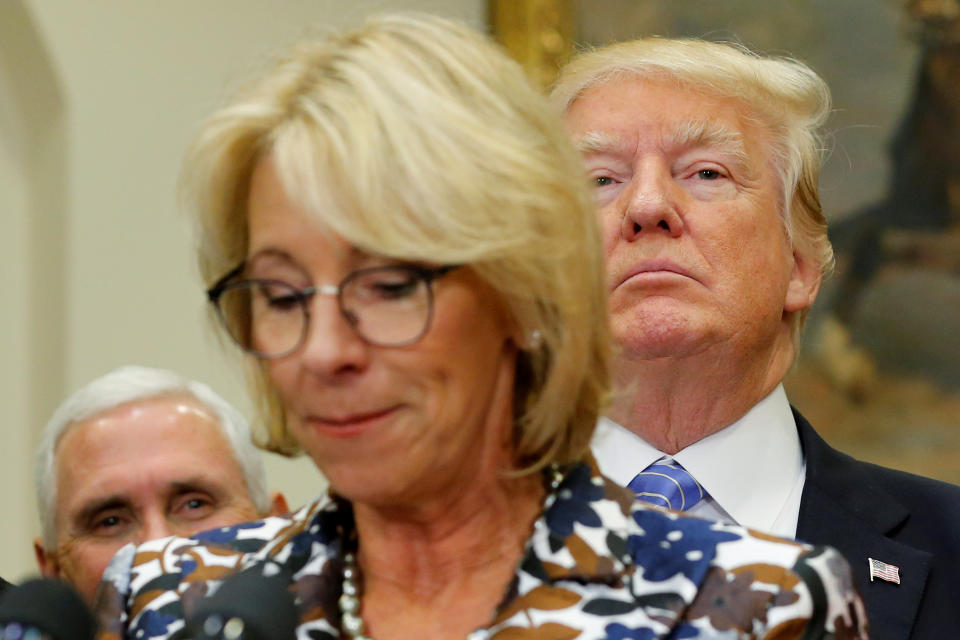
130, 384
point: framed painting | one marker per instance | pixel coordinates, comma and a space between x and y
880, 369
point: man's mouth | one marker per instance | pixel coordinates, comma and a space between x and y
653, 267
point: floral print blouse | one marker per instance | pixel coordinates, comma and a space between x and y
598, 565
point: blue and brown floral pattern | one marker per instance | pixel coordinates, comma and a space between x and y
599, 565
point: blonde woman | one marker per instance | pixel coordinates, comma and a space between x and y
396, 231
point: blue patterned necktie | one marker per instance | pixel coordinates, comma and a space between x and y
665, 483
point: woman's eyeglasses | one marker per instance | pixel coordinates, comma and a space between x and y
387, 306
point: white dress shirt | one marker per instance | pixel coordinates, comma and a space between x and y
752, 470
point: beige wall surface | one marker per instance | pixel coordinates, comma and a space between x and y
98, 100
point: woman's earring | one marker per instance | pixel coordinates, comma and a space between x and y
533, 341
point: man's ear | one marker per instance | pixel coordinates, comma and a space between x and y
278, 504
46, 560
804, 283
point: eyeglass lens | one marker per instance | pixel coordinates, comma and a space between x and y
386, 306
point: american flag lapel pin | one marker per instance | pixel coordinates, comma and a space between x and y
884, 571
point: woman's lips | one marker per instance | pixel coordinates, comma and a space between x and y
346, 424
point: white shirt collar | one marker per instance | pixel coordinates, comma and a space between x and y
620, 453
751, 469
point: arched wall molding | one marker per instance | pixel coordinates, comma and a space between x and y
33, 140
37, 94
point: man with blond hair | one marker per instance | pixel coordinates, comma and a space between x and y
705, 159
140, 454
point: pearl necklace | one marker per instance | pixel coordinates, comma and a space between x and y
349, 603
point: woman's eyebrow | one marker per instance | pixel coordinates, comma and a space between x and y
268, 253
271, 257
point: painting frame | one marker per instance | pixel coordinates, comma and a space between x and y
539, 34
879, 387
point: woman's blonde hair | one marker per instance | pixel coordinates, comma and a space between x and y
416, 138
787, 97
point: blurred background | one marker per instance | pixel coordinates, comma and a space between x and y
879, 375
99, 99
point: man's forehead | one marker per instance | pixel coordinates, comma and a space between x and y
178, 403
133, 463
623, 103
680, 134
162, 429
167, 408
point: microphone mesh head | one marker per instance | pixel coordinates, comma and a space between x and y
51, 606
264, 604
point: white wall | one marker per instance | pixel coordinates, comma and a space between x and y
32, 217
90, 215
14, 279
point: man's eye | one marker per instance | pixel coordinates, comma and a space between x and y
708, 174
196, 506
106, 525
196, 503
603, 181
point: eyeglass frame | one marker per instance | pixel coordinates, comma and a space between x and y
303, 297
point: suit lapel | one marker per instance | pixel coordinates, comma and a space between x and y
841, 507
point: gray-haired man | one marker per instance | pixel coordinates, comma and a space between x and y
140, 454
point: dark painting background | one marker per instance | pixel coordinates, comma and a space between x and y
884, 385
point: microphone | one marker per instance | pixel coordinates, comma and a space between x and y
44, 608
247, 606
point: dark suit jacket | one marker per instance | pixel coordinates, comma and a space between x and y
867, 511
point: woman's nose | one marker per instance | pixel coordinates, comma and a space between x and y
332, 344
